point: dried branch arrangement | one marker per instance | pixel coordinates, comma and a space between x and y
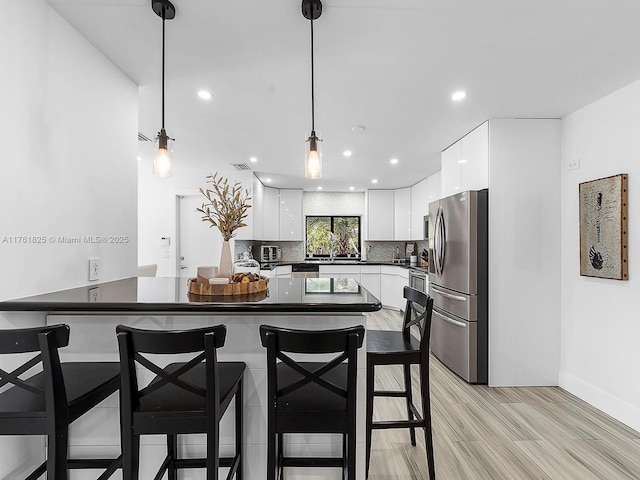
226, 207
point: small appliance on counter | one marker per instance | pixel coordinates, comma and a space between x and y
270, 254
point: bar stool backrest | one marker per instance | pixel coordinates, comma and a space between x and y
45, 340
202, 342
343, 342
418, 311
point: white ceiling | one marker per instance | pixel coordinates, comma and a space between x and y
388, 65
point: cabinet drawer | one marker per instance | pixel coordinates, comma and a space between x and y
454, 342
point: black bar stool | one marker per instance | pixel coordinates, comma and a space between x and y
401, 348
185, 397
48, 402
311, 397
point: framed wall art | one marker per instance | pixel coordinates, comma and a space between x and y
603, 228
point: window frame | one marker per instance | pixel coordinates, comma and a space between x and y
332, 219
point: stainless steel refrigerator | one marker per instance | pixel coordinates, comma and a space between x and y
459, 283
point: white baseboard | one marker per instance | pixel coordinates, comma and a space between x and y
612, 406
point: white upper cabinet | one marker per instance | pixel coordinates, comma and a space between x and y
402, 214
465, 164
257, 208
450, 174
246, 181
271, 213
419, 208
474, 159
433, 188
380, 213
291, 215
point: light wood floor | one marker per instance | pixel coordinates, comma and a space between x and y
499, 433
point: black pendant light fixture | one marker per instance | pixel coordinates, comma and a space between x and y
162, 161
312, 9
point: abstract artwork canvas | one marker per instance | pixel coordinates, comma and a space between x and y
603, 228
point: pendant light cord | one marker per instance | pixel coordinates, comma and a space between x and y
163, 20
312, 92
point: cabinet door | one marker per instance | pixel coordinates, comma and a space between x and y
371, 281
291, 215
258, 209
271, 213
387, 288
380, 213
402, 214
419, 208
474, 159
450, 173
433, 188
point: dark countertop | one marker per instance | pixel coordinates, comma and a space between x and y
166, 295
345, 263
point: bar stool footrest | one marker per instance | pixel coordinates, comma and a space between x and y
312, 462
398, 424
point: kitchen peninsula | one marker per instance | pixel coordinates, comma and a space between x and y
164, 303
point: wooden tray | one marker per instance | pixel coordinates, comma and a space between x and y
207, 289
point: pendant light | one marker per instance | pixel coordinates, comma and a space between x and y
162, 162
312, 9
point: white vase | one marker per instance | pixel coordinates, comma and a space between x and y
224, 270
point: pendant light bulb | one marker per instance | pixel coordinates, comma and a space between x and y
313, 158
162, 164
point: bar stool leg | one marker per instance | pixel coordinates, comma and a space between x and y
351, 455
130, 456
408, 391
271, 450
57, 452
239, 426
172, 452
213, 441
370, 390
426, 415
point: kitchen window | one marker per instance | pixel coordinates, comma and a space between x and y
332, 236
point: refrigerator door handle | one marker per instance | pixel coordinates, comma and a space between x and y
450, 320
441, 240
449, 295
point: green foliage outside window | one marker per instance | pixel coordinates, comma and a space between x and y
340, 234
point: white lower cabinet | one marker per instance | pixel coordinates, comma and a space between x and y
340, 271
370, 279
392, 282
283, 271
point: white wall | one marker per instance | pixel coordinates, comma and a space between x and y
524, 258
157, 204
68, 121
600, 320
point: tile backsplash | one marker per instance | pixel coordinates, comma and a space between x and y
294, 251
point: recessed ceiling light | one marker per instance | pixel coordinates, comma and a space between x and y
204, 95
268, 180
462, 160
138, 158
352, 188
459, 95
375, 180
358, 129
347, 153
253, 159
394, 161
319, 188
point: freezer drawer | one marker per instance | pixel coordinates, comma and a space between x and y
454, 342
460, 304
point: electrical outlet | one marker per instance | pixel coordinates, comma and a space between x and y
95, 268
574, 164
94, 295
